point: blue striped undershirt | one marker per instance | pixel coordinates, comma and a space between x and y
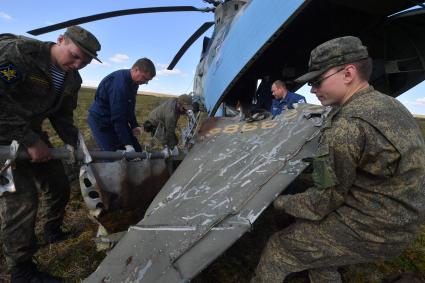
58, 77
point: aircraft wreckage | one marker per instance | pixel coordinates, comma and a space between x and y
228, 178
177, 224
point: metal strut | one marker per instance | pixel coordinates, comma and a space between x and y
67, 154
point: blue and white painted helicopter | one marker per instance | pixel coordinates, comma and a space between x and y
254, 38
235, 169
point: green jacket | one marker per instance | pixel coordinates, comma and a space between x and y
165, 117
369, 171
27, 95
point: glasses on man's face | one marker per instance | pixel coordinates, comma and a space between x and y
318, 82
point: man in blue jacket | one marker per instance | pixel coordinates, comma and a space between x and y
111, 116
283, 99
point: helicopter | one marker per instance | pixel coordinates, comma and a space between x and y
235, 169
391, 32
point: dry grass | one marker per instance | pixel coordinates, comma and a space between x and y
77, 257
145, 103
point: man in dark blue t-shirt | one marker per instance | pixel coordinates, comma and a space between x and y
111, 116
283, 99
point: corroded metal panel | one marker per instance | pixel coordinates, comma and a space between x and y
117, 193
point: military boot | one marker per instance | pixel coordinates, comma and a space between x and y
28, 273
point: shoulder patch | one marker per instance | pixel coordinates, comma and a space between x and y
9, 73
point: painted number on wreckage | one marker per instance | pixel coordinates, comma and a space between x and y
234, 128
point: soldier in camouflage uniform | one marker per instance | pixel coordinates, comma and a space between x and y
162, 121
369, 172
38, 80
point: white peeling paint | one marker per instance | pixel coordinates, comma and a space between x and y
198, 215
240, 221
221, 203
175, 191
224, 170
158, 206
254, 147
195, 175
207, 221
252, 216
222, 156
246, 183
223, 228
225, 188
142, 272
164, 228
294, 162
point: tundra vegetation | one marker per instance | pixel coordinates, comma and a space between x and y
75, 258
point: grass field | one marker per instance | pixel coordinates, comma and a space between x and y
77, 257
144, 104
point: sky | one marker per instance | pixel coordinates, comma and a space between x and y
125, 39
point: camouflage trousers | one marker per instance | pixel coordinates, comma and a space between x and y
319, 247
18, 210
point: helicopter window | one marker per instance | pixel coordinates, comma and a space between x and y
206, 43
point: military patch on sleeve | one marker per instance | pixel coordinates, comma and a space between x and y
9, 73
39, 80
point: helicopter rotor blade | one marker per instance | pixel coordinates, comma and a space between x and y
203, 28
118, 13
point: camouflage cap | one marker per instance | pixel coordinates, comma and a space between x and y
186, 101
332, 53
85, 40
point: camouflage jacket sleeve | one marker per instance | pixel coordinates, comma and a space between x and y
63, 120
334, 172
171, 118
14, 124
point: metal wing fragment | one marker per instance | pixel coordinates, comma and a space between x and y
222, 186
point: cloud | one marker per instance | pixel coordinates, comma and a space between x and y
5, 16
161, 66
119, 58
162, 71
173, 72
420, 101
104, 64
